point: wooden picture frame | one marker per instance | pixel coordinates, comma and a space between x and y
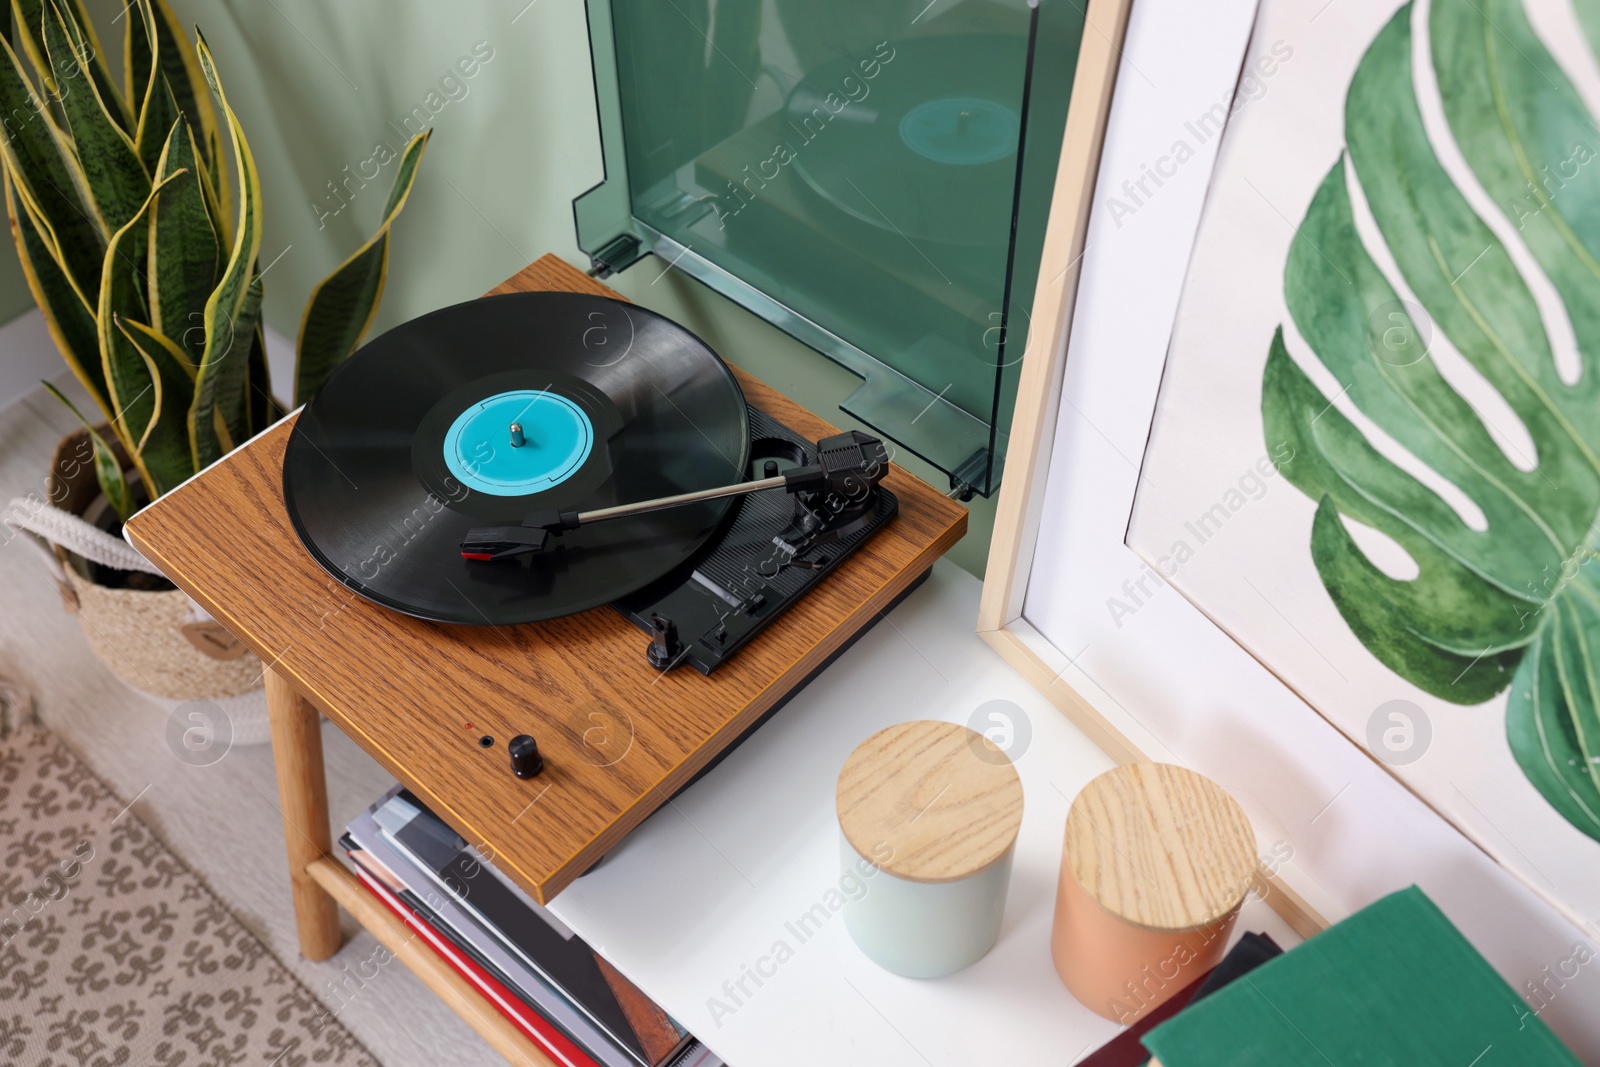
1171, 685
1017, 514
1000, 621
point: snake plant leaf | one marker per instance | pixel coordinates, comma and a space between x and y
163, 448
180, 65
216, 190
155, 51
107, 471
45, 169
87, 48
155, 123
28, 17
1500, 598
67, 315
221, 188
138, 55
117, 181
225, 390
185, 254
159, 453
151, 340
343, 304
233, 307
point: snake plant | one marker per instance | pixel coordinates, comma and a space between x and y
1507, 591
140, 239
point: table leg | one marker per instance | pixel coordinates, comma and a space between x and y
303, 794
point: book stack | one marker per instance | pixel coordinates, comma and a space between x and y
529, 966
1396, 983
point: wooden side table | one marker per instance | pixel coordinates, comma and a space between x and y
420, 696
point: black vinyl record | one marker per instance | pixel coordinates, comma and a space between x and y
409, 445
926, 150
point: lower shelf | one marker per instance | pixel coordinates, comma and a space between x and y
501, 1034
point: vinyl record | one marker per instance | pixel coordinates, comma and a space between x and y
409, 445
927, 148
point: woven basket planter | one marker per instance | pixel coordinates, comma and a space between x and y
149, 634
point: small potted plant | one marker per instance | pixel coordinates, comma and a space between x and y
136, 211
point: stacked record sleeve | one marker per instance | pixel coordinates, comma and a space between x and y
534, 970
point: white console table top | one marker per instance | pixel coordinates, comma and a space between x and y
700, 897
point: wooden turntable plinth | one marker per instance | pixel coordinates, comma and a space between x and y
618, 738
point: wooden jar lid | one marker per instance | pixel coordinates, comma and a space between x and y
943, 798
1160, 846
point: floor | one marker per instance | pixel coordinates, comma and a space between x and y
223, 818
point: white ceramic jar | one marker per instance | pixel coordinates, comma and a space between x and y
928, 814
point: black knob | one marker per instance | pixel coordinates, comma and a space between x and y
769, 469
525, 759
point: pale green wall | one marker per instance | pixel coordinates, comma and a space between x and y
317, 85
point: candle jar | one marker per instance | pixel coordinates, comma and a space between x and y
928, 817
1155, 865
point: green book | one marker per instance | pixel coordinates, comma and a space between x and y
1394, 984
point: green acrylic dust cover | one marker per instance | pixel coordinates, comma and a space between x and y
1394, 984
873, 178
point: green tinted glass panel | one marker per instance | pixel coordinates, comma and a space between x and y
850, 171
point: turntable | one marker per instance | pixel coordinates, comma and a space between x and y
543, 639
541, 454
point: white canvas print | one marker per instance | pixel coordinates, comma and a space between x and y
1375, 460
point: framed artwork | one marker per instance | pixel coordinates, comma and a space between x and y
1195, 318
1406, 538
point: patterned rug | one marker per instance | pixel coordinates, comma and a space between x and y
113, 952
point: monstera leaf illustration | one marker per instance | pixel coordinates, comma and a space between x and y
1509, 595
